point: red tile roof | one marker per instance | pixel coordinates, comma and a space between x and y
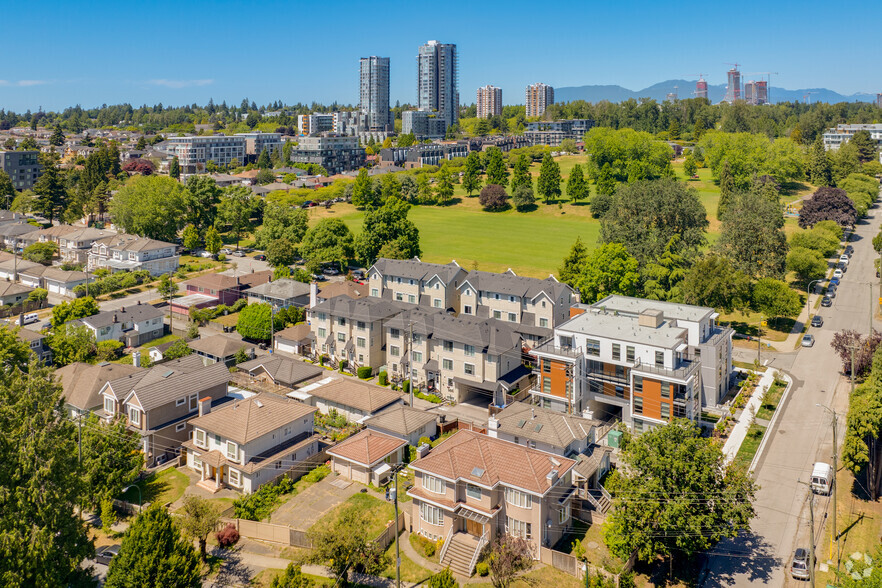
367, 447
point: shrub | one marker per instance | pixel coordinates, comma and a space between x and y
429, 549
482, 568
228, 536
493, 197
343, 364
364, 372
317, 474
425, 440
384, 379
406, 387
109, 350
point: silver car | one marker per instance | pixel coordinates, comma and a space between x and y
808, 340
799, 567
106, 554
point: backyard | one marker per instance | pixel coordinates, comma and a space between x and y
164, 487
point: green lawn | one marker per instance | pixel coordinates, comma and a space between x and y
771, 400
541, 576
595, 549
750, 445
410, 570
163, 488
374, 513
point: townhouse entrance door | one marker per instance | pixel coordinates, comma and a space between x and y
474, 528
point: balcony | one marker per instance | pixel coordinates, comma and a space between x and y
687, 368
548, 348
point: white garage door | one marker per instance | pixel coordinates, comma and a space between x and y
54, 287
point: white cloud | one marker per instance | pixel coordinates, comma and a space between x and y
22, 83
180, 83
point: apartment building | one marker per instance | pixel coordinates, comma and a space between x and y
194, 152
555, 131
132, 253
641, 361
539, 97
247, 443
23, 168
835, 138
438, 81
257, 141
489, 101
337, 154
472, 488
423, 154
315, 123
424, 124
374, 94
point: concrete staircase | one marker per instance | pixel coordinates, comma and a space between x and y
600, 499
459, 554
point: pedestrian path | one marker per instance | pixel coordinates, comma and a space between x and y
739, 431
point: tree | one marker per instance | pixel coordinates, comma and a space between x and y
443, 579
391, 187
57, 138
71, 343
254, 322
41, 252
663, 277
753, 236
715, 282
689, 166
140, 166
141, 144
573, 264
752, 154
6, 189
493, 198
178, 349
292, 578
860, 449
864, 350
568, 146
444, 188
775, 299
508, 556
644, 216
236, 207
330, 240
877, 242
657, 511
167, 288
50, 189
625, 155
576, 186
521, 173
471, 179
828, 204
153, 553
384, 226
111, 457
424, 190
241, 356
44, 538
281, 221
199, 518
150, 206
523, 197
807, 264
727, 190
609, 269
497, 171
190, 237
201, 200
213, 241
75, 309
344, 546
363, 195
38, 295
548, 185
866, 146
280, 252
263, 161
820, 172
174, 168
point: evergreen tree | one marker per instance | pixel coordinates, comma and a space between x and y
7, 190
576, 186
689, 166
153, 553
50, 189
363, 195
573, 264
57, 138
471, 179
497, 171
820, 172
727, 189
549, 178
444, 187
263, 162
521, 175
174, 168
391, 187
674, 129
141, 145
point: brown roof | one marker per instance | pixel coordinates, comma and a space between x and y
343, 288
166, 382
245, 420
250, 174
218, 345
219, 282
297, 333
400, 419
81, 382
544, 425
367, 447
282, 370
488, 461
350, 392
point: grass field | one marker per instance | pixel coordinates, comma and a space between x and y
374, 513
163, 488
750, 445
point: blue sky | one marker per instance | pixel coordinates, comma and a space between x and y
65, 53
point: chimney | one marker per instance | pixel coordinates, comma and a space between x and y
492, 427
204, 405
313, 294
136, 359
552, 477
532, 413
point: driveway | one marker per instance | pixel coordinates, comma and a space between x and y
304, 509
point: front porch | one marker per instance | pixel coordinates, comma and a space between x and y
211, 472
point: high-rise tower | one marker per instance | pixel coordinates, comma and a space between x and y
701, 88
437, 80
489, 101
374, 94
733, 90
539, 97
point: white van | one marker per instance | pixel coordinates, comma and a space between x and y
822, 478
29, 318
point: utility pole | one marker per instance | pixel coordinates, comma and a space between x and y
395, 470
79, 437
835, 484
812, 541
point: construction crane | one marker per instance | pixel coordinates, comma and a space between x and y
768, 75
735, 64
700, 79
809, 96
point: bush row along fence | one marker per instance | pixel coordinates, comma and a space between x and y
26, 306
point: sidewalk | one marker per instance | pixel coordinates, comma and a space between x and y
739, 432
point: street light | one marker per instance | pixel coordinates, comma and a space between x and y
138, 488
835, 483
808, 296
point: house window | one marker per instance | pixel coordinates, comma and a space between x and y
497, 314
375, 293
665, 389
447, 364
436, 303
469, 369
341, 322
431, 514
232, 451
411, 298
193, 401
399, 297
665, 410
418, 356
564, 514
180, 427
518, 498
361, 326
394, 333
518, 528
109, 405
546, 385
200, 439
433, 484
197, 463
543, 322
322, 316
322, 332
361, 342
394, 351
469, 350
616, 351
447, 346
629, 353
592, 347
546, 366
473, 491
512, 317
638, 405
135, 416
467, 309
341, 337
235, 478
659, 358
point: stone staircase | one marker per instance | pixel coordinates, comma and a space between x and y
460, 553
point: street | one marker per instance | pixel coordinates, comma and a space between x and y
801, 436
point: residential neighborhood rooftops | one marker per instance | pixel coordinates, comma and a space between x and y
483, 460
366, 398
59, 275
282, 370
126, 242
82, 382
282, 289
219, 345
512, 284
343, 288
400, 419
164, 383
543, 425
367, 447
416, 269
218, 282
360, 309
296, 334
13, 288
243, 421
134, 313
9, 265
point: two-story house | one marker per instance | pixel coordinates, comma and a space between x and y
472, 488
130, 252
82, 383
247, 443
280, 293
416, 282
159, 402
133, 325
75, 245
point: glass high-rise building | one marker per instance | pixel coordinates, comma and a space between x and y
437, 80
374, 94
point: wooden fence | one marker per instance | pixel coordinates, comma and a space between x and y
457, 425
571, 565
26, 306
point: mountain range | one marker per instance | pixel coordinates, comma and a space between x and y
659, 92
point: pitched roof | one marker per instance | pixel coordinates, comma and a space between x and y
512, 284
296, 334
126, 242
400, 419
219, 345
19, 265
283, 289
135, 313
364, 309
56, 274
81, 382
283, 370
487, 461
367, 448
416, 269
11, 288
164, 383
343, 288
488, 335
543, 425
243, 421
225, 282
367, 398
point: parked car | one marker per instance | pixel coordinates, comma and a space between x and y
260, 257
46, 326
106, 554
205, 254
822, 478
226, 251
358, 274
808, 340
837, 273
799, 567
826, 301
238, 253
834, 283
330, 271
830, 293
817, 321
319, 278
843, 258
29, 318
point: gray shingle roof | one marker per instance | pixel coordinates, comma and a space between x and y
416, 269
166, 382
12, 288
135, 313
367, 398
363, 309
543, 425
511, 284
82, 383
283, 370
400, 419
219, 345
283, 289
243, 421
489, 335
126, 242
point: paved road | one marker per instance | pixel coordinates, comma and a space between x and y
801, 436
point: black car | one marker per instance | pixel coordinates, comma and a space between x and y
260, 257
826, 301
817, 321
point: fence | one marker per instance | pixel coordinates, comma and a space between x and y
571, 565
26, 306
460, 425
388, 535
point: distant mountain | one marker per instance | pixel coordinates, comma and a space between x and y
685, 88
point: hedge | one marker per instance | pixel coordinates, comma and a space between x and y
364, 372
384, 378
114, 283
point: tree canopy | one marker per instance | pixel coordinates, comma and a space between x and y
625, 155
828, 204
751, 154
548, 184
753, 236
150, 206
281, 221
714, 281
329, 241
386, 225
609, 269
